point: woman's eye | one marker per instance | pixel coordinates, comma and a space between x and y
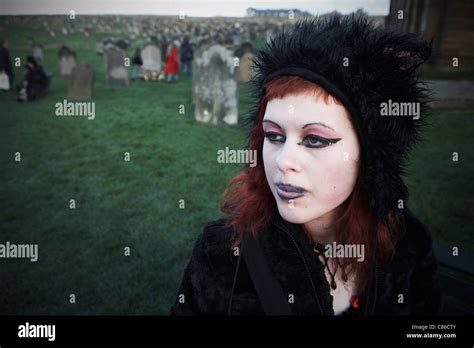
317, 142
274, 137
311, 141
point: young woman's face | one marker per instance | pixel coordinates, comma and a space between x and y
313, 147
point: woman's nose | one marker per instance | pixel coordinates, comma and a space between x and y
288, 159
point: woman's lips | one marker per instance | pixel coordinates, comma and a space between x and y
288, 192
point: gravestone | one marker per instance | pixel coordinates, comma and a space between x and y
237, 39
88, 32
246, 71
81, 82
116, 71
151, 57
109, 44
215, 86
67, 61
246, 47
99, 48
269, 34
38, 53
252, 34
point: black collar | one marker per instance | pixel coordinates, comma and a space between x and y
290, 250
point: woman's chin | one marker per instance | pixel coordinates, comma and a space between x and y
295, 215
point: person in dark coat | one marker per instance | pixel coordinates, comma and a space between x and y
320, 223
5, 61
137, 64
34, 83
186, 52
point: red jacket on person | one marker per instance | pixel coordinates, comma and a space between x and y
172, 62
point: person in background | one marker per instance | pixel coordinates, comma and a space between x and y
137, 64
34, 82
172, 63
5, 62
186, 52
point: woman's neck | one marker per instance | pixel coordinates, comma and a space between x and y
322, 230
320, 235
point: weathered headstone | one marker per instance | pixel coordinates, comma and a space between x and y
99, 48
81, 82
88, 32
246, 47
38, 53
117, 72
269, 34
252, 33
151, 57
109, 44
246, 71
67, 61
215, 86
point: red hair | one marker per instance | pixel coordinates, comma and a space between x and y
250, 205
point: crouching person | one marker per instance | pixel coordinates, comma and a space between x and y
34, 83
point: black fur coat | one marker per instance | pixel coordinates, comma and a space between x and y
207, 283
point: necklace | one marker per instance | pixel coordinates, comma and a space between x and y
318, 248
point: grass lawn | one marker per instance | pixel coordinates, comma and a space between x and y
136, 203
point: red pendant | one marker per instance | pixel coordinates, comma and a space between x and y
355, 302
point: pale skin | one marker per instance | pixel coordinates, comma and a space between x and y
328, 174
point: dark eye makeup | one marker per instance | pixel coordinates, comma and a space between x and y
311, 140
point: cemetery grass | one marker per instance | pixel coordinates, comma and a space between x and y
136, 204
118, 203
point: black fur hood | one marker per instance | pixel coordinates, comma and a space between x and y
381, 68
363, 66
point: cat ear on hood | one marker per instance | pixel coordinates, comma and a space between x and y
409, 59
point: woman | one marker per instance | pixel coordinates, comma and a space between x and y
172, 63
320, 225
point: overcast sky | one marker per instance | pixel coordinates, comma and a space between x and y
195, 8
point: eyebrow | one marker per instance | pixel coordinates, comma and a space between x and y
306, 125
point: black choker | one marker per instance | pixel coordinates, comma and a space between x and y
319, 250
